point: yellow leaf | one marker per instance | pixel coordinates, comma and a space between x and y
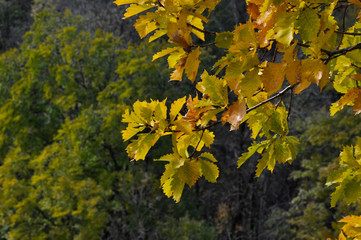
175, 108
197, 22
167, 187
184, 126
164, 52
122, 2
131, 131
209, 170
139, 148
179, 68
177, 187
208, 156
192, 64
189, 172
145, 24
353, 220
157, 34
176, 160
346, 99
341, 236
134, 9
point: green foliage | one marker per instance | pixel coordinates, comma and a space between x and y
310, 215
63, 173
185, 229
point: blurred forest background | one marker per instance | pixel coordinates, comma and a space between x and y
68, 70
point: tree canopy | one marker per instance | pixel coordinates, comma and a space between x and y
281, 50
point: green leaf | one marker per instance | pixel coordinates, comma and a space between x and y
335, 196
256, 147
309, 24
214, 88
267, 160
224, 39
284, 28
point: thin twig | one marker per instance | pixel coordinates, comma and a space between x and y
307, 46
290, 107
205, 45
279, 94
160, 4
195, 149
201, 30
279, 102
354, 65
335, 53
348, 33
343, 26
264, 55
274, 55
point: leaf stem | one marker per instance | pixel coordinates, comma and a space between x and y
201, 30
195, 149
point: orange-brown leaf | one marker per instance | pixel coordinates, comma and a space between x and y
194, 114
273, 77
235, 114
357, 105
357, 77
293, 72
253, 10
181, 38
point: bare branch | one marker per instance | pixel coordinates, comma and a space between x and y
279, 94
348, 33
160, 4
343, 26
